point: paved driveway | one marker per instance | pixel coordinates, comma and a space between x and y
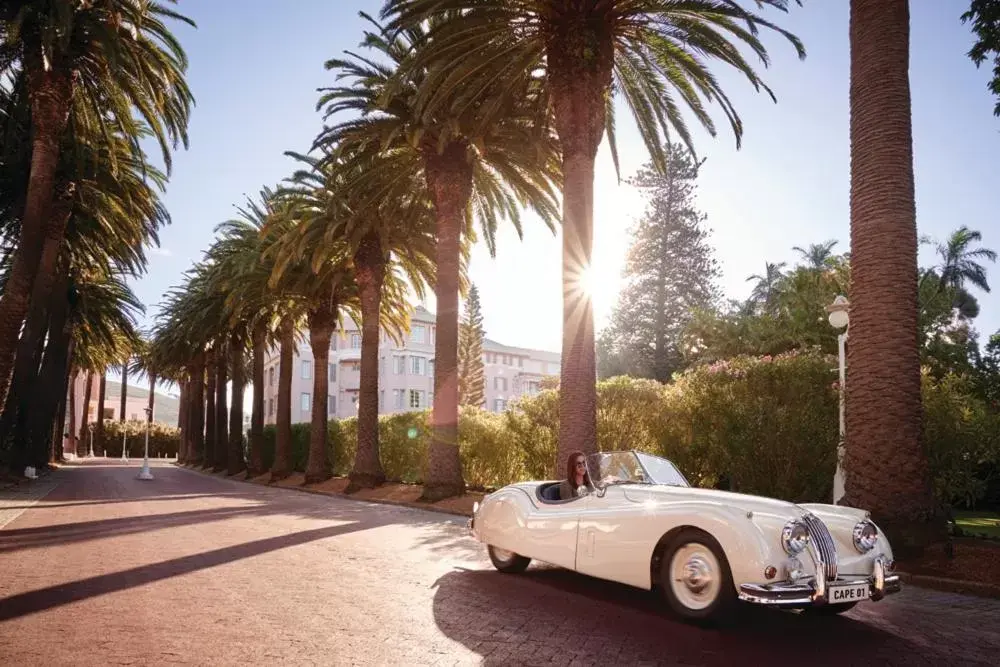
191, 569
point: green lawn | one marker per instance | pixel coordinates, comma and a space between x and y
979, 523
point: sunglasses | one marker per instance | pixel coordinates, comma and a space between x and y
580, 464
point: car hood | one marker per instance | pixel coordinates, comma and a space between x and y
674, 494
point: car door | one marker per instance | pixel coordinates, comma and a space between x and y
551, 530
610, 540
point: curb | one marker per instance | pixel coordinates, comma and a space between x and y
330, 494
947, 585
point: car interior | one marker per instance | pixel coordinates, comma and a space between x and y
549, 493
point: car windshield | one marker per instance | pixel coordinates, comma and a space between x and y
629, 467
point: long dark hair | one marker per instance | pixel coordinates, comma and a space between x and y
571, 467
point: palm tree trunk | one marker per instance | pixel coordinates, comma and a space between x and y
283, 420
196, 411
83, 444
219, 461
579, 88
182, 421
51, 385
72, 410
150, 401
321, 323
883, 406
255, 465
44, 299
449, 178
99, 426
49, 91
208, 459
235, 462
121, 402
59, 444
369, 262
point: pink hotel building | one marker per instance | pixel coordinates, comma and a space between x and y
406, 372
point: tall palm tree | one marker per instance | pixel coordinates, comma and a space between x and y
817, 255
366, 206
114, 59
766, 287
960, 262
652, 52
883, 410
467, 165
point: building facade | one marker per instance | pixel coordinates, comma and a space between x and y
406, 372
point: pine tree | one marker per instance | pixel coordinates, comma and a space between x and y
669, 274
471, 371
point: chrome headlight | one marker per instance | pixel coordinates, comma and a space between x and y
794, 537
865, 536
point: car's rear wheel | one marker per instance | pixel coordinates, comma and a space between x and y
695, 578
507, 561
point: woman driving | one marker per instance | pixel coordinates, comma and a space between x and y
577, 482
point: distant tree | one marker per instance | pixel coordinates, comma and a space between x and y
669, 273
766, 285
961, 262
988, 371
817, 255
985, 18
471, 371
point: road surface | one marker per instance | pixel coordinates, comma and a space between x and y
99, 568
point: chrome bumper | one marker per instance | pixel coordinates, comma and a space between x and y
815, 591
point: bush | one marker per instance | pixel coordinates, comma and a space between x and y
961, 438
760, 425
164, 440
300, 445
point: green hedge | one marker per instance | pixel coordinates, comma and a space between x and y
164, 440
758, 425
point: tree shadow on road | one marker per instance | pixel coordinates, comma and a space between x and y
550, 613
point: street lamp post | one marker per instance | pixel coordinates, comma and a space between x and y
124, 447
145, 473
90, 450
839, 318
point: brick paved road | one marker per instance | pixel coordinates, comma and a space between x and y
191, 569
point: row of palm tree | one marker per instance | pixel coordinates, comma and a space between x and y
81, 86
453, 115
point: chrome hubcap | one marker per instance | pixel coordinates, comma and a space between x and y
694, 576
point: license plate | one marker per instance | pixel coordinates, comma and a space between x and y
853, 593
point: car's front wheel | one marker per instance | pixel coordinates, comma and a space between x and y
695, 578
507, 561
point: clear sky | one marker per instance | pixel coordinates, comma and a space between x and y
255, 69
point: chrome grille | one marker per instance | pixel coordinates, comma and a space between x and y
822, 541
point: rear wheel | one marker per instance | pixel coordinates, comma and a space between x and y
695, 578
507, 561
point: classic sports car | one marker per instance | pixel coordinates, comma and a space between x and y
704, 550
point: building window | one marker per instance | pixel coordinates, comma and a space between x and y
500, 384
381, 367
398, 365
306, 370
419, 334
416, 398
520, 362
506, 360
332, 372
305, 401
430, 367
355, 341
270, 375
419, 365
499, 405
381, 400
397, 399
270, 406
333, 342
331, 407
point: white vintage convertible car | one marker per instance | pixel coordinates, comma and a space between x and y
704, 550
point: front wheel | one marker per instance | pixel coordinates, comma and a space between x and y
695, 578
507, 561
